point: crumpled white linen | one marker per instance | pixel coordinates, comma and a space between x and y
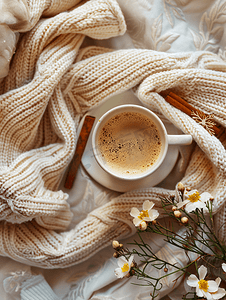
8, 40
169, 26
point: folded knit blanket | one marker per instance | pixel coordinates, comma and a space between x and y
51, 83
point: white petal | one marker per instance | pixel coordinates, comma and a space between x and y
200, 204
219, 294
137, 221
147, 219
224, 267
134, 212
130, 260
148, 205
121, 261
205, 210
190, 207
218, 281
153, 214
199, 292
213, 287
119, 273
207, 295
192, 280
202, 272
151, 217
181, 204
205, 196
125, 273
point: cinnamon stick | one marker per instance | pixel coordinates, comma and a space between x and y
187, 108
178, 105
183, 102
80, 147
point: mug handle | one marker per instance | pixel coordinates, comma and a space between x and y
180, 139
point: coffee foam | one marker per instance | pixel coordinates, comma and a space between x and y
129, 144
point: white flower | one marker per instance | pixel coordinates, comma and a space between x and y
203, 287
192, 200
147, 214
220, 292
124, 266
224, 267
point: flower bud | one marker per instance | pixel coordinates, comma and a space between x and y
165, 270
115, 244
177, 214
132, 272
180, 187
184, 220
174, 208
143, 226
211, 198
116, 255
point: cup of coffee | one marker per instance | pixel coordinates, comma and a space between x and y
130, 142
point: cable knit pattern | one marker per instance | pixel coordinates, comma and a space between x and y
26, 13
31, 194
101, 23
51, 84
48, 249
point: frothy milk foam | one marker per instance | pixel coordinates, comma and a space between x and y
129, 143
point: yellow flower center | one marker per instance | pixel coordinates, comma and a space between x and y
194, 197
125, 267
143, 214
203, 285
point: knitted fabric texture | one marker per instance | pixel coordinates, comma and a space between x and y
50, 85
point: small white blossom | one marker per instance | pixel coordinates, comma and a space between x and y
124, 266
224, 267
192, 200
203, 287
147, 214
220, 293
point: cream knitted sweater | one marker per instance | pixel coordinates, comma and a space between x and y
50, 85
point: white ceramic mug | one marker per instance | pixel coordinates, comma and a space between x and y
134, 114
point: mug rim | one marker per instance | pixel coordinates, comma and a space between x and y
120, 109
